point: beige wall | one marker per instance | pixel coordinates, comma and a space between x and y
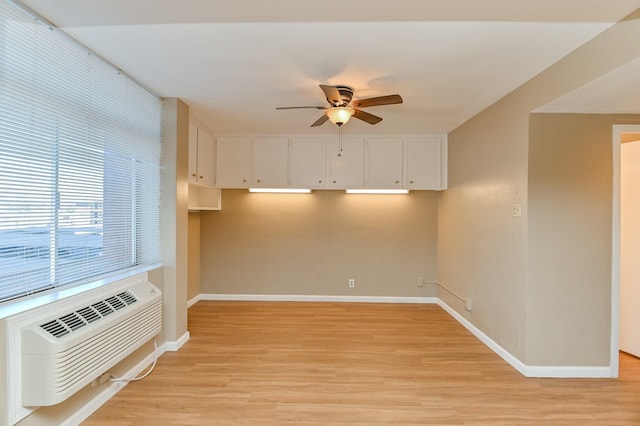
174, 215
481, 247
194, 255
483, 251
311, 244
570, 237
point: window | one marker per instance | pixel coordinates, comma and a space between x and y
79, 162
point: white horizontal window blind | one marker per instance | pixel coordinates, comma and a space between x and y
79, 162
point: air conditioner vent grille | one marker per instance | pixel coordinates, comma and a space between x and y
127, 297
89, 314
115, 302
73, 321
102, 308
55, 328
77, 319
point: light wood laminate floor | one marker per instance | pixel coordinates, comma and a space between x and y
272, 363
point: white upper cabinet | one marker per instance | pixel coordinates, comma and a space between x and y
270, 163
425, 163
206, 148
375, 162
234, 162
384, 163
308, 163
203, 195
193, 152
346, 163
201, 155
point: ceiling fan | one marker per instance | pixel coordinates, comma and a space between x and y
342, 107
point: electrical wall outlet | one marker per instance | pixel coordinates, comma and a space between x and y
352, 283
100, 380
420, 281
517, 210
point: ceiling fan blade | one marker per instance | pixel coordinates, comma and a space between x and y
300, 107
365, 116
379, 100
320, 121
333, 94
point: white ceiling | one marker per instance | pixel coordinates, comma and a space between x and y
234, 61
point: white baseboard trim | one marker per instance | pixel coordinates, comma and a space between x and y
569, 372
313, 298
176, 345
502, 352
558, 372
110, 390
193, 301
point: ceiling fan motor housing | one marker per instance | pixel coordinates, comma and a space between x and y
346, 93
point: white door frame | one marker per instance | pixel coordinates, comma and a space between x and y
615, 244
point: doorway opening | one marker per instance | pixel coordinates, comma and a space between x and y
624, 287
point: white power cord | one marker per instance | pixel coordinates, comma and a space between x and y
135, 379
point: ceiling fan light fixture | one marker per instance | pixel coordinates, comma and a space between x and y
339, 115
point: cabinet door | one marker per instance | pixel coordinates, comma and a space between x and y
270, 162
384, 163
346, 166
205, 159
233, 162
308, 163
424, 157
193, 152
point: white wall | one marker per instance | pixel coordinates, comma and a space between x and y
630, 249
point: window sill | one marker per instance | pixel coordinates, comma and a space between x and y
23, 304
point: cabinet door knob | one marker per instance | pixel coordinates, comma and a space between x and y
201, 177
320, 181
193, 174
334, 181
397, 181
258, 180
244, 180
410, 181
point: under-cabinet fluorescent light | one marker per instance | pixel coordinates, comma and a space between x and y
377, 191
281, 190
